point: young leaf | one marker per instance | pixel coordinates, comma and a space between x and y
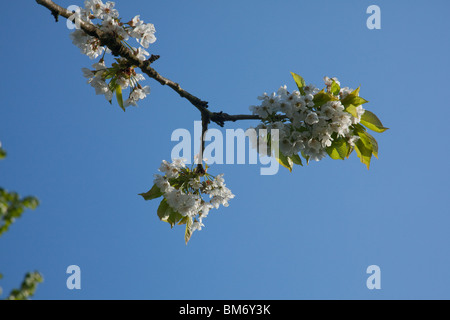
119, 96
167, 214
353, 98
285, 161
335, 88
174, 217
296, 159
323, 97
306, 157
184, 220
300, 82
153, 193
374, 144
339, 149
163, 210
352, 110
363, 152
188, 232
366, 139
371, 121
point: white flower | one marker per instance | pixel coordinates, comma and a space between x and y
195, 183
359, 112
136, 95
196, 225
327, 111
88, 73
263, 112
101, 87
123, 82
141, 53
99, 65
282, 92
111, 25
179, 163
204, 209
100, 10
136, 21
162, 183
80, 15
144, 34
311, 118
310, 89
309, 97
88, 45
352, 140
169, 169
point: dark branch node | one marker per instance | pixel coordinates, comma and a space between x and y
219, 118
153, 58
55, 14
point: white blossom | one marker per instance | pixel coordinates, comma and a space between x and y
100, 10
191, 201
88, 45
306, 128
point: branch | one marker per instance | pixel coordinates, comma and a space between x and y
118, 49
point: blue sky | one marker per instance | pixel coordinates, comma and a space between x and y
309, 234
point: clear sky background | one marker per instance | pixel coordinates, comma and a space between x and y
309, 234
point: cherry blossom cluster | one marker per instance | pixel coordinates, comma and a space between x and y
121, 75
309, 120
188, 196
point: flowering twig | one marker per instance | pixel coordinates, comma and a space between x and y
118, 49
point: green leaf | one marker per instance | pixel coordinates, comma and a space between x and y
2, 153
352, 110
174, 217
354, 99
367, 139
119, 96
164, 210
183, 221
285, 161
371, 121
364, 153
153, 193
188, 232
339, 149
300, 82
306, 157
323, 97
374, 144
167, 214
335, 88
296, 159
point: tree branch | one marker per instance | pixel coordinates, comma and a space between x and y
118, 49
